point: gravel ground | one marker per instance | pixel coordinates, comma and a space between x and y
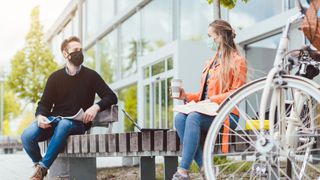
130, 173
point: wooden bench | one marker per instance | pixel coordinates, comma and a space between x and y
10, 144
78, 159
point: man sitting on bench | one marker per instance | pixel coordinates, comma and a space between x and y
67, 92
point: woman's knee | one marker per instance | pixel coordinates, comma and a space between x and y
179, 120
193, 118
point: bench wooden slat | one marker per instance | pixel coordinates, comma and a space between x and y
93, 142
241, 144
124, 142
76, 143
135, 142
70, 145
103, 143
160, 141
84, 144
173, 143
113, 142
147, 141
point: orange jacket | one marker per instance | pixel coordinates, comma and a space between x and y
214, 90
214, 84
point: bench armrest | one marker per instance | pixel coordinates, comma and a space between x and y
106, 117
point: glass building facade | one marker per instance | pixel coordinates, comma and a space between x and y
117, 33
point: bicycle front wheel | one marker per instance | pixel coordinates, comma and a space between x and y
288, 145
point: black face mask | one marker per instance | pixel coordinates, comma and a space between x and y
76, 58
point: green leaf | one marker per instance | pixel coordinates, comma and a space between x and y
32, 65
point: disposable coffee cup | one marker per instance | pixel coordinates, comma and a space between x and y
176, 85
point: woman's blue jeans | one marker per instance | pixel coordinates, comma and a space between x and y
189, 127
58, 133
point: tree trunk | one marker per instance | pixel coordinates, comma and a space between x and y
216, 9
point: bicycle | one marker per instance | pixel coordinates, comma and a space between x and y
286, 142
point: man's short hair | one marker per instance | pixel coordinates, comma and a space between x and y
65, 42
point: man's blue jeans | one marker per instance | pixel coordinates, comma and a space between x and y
58, 133
189, 127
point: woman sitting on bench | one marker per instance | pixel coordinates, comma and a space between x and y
224, 73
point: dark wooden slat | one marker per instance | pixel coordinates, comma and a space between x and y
113, 142
103, 143
135, 142
124, 142
160, 141
147, 141
173, 143
253, 137
241, 144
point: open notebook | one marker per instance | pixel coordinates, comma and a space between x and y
78, 116
207, 108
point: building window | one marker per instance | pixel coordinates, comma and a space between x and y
55, 44
75, 24
156, 25
129, 46
194, 19
244, 15
67, 31
124, 4
107, 11
90, 58
128, 96
91, 18
108, 57
157, 101
260, 56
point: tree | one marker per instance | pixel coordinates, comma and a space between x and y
32, 65
12, 109
26, 121
227, 3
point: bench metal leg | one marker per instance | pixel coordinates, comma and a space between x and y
170, 166
73, 168
147, 168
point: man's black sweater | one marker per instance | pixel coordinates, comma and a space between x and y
65, 95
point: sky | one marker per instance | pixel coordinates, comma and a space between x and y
15, 22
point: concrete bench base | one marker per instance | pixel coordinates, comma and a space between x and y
73, 168
85, 168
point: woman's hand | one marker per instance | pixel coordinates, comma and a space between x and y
183, 95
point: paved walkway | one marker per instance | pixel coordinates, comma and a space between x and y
19, 167
15, 166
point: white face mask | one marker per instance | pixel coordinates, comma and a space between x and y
212, 44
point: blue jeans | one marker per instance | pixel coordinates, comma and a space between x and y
189, 127
58, 133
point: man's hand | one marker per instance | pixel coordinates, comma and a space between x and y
42, 122
91, 113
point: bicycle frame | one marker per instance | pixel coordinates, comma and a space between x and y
278, 67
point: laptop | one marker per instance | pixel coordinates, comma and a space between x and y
138, 127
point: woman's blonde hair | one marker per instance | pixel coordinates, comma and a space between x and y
227, 48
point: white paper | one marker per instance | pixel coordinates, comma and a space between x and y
207, 108
78, 117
